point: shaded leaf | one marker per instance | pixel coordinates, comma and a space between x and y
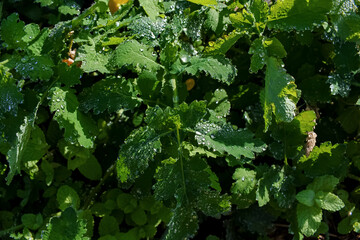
111, 94
134, 155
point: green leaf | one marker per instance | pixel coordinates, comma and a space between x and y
292, 135
183, 224
69, 75
258, 58
65, 227
218, 105
325, 183
29, 146
245, 181
298, 15
134, 155
35, 67
10, 95
110, 94
315, 89
207, 3
223, 44
79, 128
31, 30
306, 197
308, 218
12, 32
349, 119
108, 225
36, 45
32, 221
139, 217
329, 201
67, 197
136, 54
223, 138
91, 59
151, 8
325, 159
348, 27
280, 94
276, 183
81, 158
48, 170
74, 9
253, 18
211, 203
274, 48
218, 67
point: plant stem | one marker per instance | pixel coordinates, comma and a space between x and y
354, 177
76, 21
181, 161
95, 190
12, 229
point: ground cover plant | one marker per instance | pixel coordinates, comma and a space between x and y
187, 119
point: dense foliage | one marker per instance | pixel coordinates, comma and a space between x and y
204, 119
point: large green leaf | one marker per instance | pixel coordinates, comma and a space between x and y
79, 128
348, 27
91, 59
298, 15
308, 218
136, 54
29, 146
217, 67
280, 94
65, 227
110, 94
325, 159
245, 181
10, 95
329, 201
35, 67
183, 224
151, 7
12, 31
291, 136
224, 138
134, 155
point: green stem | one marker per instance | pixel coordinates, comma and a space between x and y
4, 62
181, 161
12, 229
95, 190
352, 176
76, 21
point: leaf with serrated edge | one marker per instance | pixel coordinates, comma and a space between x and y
329, 201
223, 138
245, 181
298, 15
136, 54
151, 8
79, 128
280, 94
217, 67
134, 155
308, 218
110, 94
